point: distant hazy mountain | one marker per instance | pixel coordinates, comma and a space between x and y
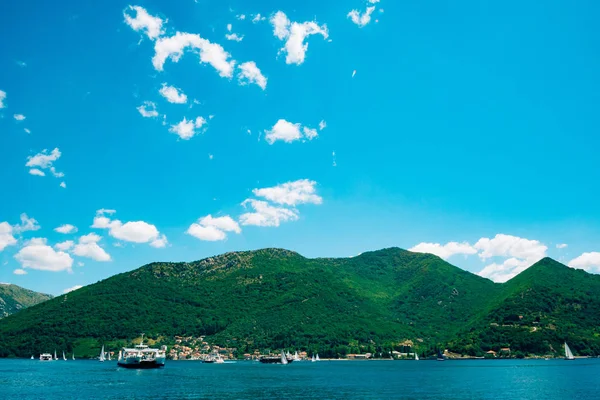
275, 298
14, 298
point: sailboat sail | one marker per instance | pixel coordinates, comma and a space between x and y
283, 358
568, 353
317, 359
64, 357
313, 358
73, 356
109, 356
416, 357
56, 358
102, 354
296, 358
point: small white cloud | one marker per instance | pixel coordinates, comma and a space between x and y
210, 53
295, 34
249, 73
188, 129
27, 131
589, 262
88, 247
36, 254
444, 251
241, 17
63, 185
506, 270
561, 246
510, 246
27, 224
151, 26
322, 125
2, 98
66, 229
210, 156
234, 37
148, 109
361, 19
19, 117
21, 64
288, 132
302, 191
257, 18
213, 229
43, 161
80, 264
19, 271
353, 73
6, 235
132, 231
229, 27
72, 289
266, 215
173, 94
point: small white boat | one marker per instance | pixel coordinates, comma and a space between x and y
64, 357
284, 359
313, 358
73, 356
219, 360
317, 359
32, 357
46, 357
416, 356
55, 358
108, 352
102, 357
296, 357
568, 353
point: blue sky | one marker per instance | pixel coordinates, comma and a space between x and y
469, 130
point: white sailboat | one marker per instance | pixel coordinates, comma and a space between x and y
64, 357
568, 353
56, 358
416, 357
317, 359
313, 358
283, 358
101, 358
296, 357
108, 355
32, 357
73, 356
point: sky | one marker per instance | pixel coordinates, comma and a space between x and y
134, 132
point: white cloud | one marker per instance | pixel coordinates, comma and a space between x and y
38, 255
88, 247
249, 73
561, 246
43, 161
322, 125
63, 185
173, 94
444, 251
510, 246
72, 288
64, 246
148, 109
289, 132
361, 19
294, 34
6, 235
213, 229
19, 271
302, 191
229, 27
506, 270
19, 117
37, 172
266, 215
211, 53
151, 26
188, 129
27, 130
80, 264
132, 231
234, 37
2, 98
66, 228
27, 224
257, 18
589, 262
241, 17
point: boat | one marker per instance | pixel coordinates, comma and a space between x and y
219, 360
102, 357
108, 352
313, 358
46, 357
317, 359
64, 357
440, 356
296, 357
142, 357
209, 360
73, 356
55, 358
568, 353
32, 356
416, 357
282, 359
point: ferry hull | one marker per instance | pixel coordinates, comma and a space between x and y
136, 364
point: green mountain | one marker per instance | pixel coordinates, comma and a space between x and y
275, 298
14, 298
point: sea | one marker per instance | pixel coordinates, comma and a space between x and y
451, 379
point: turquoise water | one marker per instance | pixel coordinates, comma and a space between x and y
472, 379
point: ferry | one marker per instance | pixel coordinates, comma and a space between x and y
46, 357
142, 356
276, 360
